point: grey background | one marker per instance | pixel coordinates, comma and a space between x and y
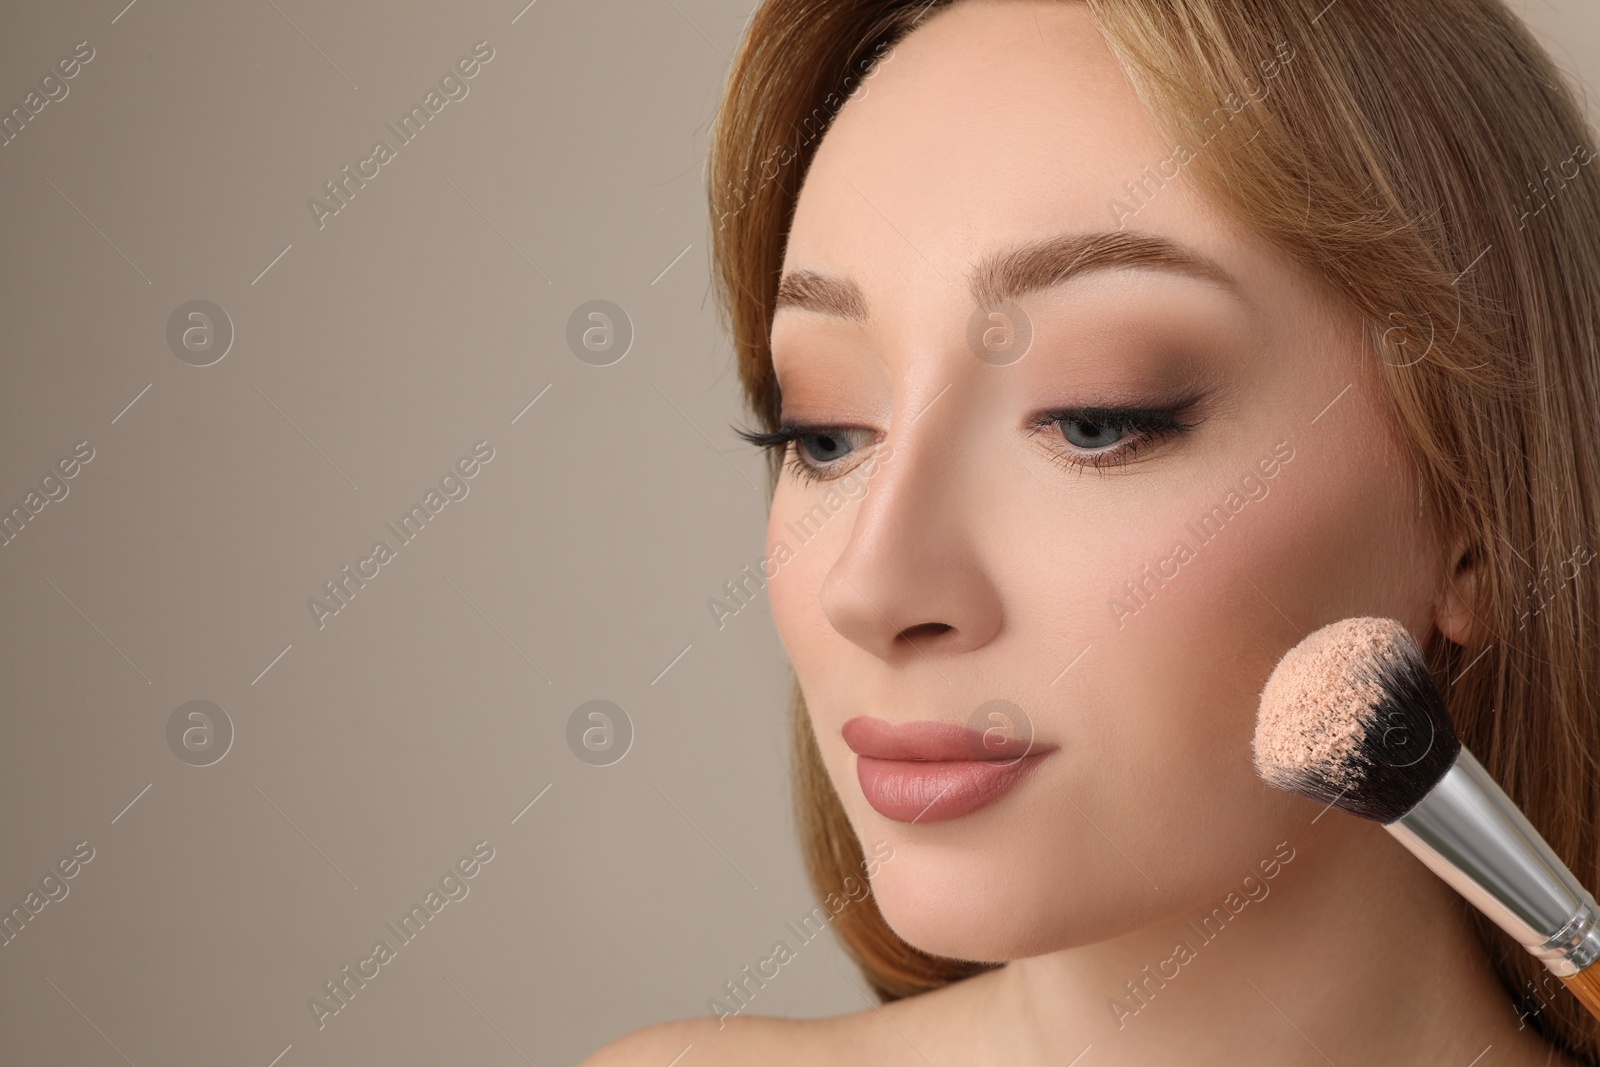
369, 355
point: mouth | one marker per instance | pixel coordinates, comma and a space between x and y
927, 771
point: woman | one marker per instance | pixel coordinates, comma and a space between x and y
1108, 349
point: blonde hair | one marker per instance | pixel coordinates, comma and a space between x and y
1427, 160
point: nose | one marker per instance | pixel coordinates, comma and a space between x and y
911, 581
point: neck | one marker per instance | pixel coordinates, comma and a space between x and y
1353, 953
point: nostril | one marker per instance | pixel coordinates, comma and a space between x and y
925, 630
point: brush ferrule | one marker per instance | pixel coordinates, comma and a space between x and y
1470, 833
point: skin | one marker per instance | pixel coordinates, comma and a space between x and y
978, 563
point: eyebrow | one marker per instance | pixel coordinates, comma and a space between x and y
826, 294
1009, 274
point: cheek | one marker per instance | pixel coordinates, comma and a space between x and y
1338, 534
799, 553
825, 667
1171, 694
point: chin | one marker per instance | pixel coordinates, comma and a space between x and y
970, 903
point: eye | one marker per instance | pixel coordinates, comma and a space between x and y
818, 450
1090, 433
1104, 436
825, 446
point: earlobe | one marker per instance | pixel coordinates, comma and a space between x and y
1454, 610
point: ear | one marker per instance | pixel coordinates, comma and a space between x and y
1454, 610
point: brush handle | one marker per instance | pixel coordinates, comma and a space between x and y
1585, 985
1474, 837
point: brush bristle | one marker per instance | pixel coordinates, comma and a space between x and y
1351, 717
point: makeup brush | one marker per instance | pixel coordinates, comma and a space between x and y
1351, 718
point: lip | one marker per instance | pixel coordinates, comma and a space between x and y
930, 771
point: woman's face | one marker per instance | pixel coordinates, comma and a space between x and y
1121, 583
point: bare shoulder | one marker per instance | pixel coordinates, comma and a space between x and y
894, 1033
708, 1042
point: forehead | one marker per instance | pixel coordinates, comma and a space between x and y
995, 123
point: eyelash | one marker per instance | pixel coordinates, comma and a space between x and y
1146, 426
